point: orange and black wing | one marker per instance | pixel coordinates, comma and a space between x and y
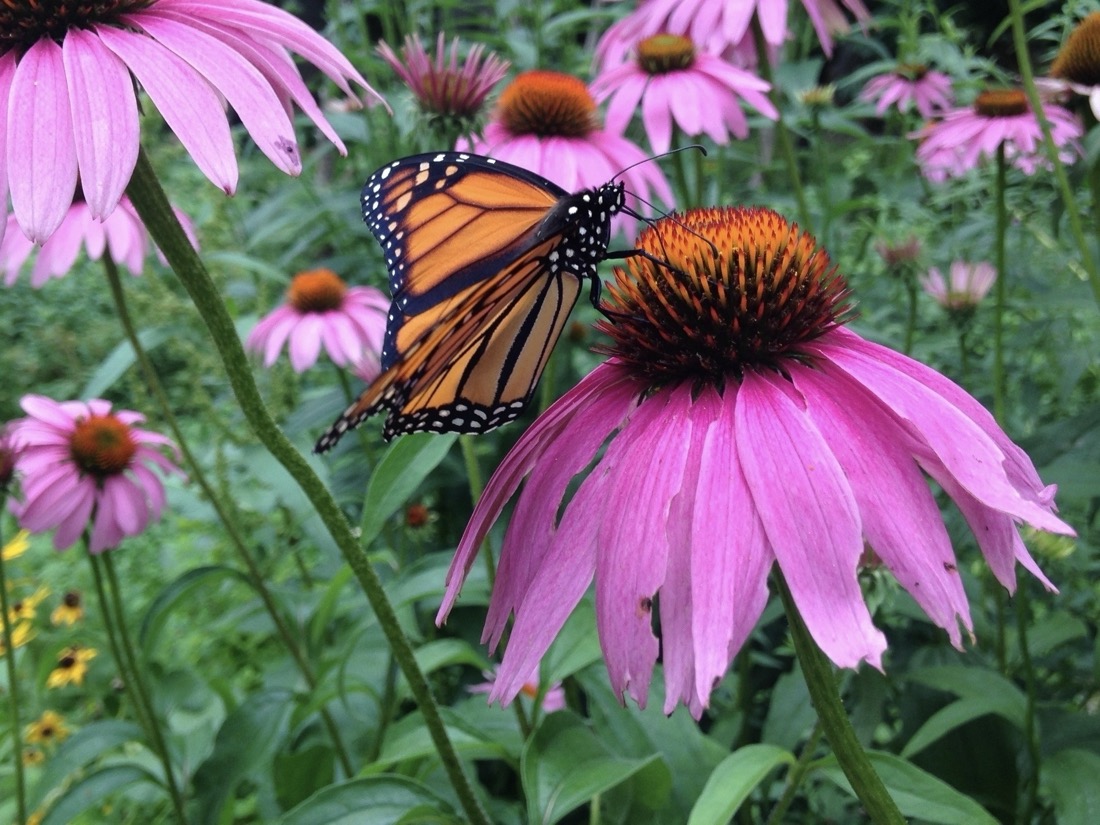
486, 261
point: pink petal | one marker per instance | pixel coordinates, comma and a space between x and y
105, 119
188, 103
73, 525
810, 517
41, 157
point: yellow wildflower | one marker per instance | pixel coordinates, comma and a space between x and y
71, 609
17, 546
49, 727
33, 756
20, 635
72, 666
25, 608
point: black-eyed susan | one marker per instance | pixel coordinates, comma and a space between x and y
47, 729
72, 666
70, 610
21, 633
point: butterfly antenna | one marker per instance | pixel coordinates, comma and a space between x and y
669, 153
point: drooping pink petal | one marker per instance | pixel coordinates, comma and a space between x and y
7, 73
813, 524
188, 103
105, 119
41, 155
72, 525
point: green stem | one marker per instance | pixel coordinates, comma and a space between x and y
964, 357
1000, 288
1000, 642
473, 473
152, 207
795, 776
1023, 60
786, 145
121, 649
13, 692
821, 682
911, 309
228, 520
1030, 730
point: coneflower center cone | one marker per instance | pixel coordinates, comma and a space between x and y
317, 290
1079, 59
547, 104
102, 445
1001, 103
663, 53
24, 22
724, 289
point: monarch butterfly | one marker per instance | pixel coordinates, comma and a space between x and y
486, 261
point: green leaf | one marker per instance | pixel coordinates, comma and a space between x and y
409, 738
245, 746
78, 750
917, 793
302, 773
955, 715
93, 789
179, 592
120, 359
564, 765
733, 780
404, 466
373, 800
790, 712
576, 647
1072, 778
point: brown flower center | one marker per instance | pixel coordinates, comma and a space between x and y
1079, 59
66, 662
663, 53
742, 288
71, 598
417, 515
912, 71
101, 445
1001, 103
547, 104
316, 290
24, 22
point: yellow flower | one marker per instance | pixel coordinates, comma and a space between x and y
72, 665
17, 546
25, 608
35, 818
71, 609
49, 727
20, 635
33, 756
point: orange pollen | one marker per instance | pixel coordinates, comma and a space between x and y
316, 290
547, 104
664, 53
742, 288
1079, 59
24, 22
1001, 103
530, 689
102, 445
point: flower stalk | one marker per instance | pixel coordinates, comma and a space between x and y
821, 682
229, 522
13, 692
1000, 293
153, 208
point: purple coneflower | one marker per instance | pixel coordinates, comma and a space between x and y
321, 309
546, 122
80, 464
1077, 66
910, 85
443, 87
552, 700
674, 82
720, 25
744, 426
68, 104
121, 233
967, 284
953, 146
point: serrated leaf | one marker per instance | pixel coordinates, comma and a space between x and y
404, 466
564, 765
733, 780
372, 800
1073, 780
917, 793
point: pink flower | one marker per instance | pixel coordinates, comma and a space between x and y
552, 700
321, 309
441, 86
953, 146
739, 425
969, 283
908, 86
7, 457
722, 24
80, 463
1075, 67
68, 104
674, 82
121, 233
546, 122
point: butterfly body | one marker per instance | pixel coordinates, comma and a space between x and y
486, 260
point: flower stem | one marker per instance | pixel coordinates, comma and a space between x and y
786, 145
13, 693
911, 309
795, 776
122, 650
1023, 60
473, 472
821, 682
228, 520
152, 206
1000, 289
1030, 730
